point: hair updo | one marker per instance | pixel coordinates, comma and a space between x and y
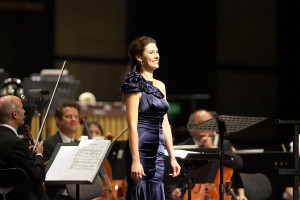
137, 47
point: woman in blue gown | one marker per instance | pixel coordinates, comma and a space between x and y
148, 126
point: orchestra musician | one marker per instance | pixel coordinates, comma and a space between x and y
67, 121
96, 132
14, 152
95, 129
205, 139
112, 189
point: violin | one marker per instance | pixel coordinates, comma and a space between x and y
28, 134
211, 190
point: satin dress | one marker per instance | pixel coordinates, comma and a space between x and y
152, 108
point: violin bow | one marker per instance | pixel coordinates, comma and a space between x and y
45, 117
86, 127
120, 134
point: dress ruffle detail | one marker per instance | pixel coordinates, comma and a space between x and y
135, 82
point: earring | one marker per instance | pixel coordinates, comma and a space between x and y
141, 63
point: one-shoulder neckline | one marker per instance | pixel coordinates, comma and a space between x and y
152, 84
135, 82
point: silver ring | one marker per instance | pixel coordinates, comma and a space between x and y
140, 176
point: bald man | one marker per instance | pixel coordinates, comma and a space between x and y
14, 152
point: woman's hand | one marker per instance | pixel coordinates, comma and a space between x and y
176, 168
242, 198
137, 172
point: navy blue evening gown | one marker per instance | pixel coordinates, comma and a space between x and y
152, 108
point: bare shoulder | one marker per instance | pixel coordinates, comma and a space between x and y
160, 85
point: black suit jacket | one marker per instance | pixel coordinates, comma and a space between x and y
14, 153
50, 144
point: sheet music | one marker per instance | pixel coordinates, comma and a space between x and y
80, 162
181, 153
193, 146
61, 163
247, 151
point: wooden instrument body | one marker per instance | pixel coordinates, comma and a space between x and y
112, 189
211, 190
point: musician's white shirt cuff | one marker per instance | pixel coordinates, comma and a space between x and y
39, 154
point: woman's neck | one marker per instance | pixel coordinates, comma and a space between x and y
148, 75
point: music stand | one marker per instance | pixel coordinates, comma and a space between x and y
116, 158
192, 167
295, 171
225, 124
76, 181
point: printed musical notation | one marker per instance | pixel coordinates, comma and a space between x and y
78, 163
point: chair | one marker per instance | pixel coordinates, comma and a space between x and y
257, 186
14, 184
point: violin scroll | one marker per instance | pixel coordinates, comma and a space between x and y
28, 134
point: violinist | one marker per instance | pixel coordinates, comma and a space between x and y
67, 121
204, 139
14, 152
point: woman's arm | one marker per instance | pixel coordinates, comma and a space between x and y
132, 104
169, 146
168, 136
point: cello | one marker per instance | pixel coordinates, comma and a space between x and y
106, 177
211, 190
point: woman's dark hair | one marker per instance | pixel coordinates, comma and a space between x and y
137, 47
94, 123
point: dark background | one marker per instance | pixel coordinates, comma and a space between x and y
243, 54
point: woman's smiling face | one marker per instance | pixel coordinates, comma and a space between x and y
150, 57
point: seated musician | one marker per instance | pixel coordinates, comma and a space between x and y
95, 129
67, 121
204, 139
14, 152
